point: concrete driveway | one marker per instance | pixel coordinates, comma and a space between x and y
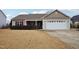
71, 37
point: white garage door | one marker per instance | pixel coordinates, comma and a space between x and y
56, 25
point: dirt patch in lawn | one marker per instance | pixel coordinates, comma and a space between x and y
15, 39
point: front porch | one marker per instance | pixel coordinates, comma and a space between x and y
34, 25
26, 25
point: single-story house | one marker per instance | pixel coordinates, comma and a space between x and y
2, 19
55, 20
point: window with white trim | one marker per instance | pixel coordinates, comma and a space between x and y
20, 23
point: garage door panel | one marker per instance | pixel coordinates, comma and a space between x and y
56, 25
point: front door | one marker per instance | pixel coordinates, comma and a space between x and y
39, 24
30, 24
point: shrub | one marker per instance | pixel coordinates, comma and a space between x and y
76, 24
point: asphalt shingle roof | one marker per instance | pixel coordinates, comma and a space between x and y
28, 17
75, 18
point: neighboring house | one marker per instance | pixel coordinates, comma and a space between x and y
2, 19
75, 21
55, 20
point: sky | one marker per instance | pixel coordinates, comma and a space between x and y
10, 13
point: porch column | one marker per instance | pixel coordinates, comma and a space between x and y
69, 23
35, 23
44, 25
24, 23
13, 23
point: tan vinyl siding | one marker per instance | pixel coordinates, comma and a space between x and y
56, 15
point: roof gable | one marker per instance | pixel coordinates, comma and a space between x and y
56, 15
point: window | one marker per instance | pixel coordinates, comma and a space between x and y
52, 21
60, 21
19, 23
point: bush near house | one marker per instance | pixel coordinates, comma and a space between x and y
76, 24
5, 27
71, 26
